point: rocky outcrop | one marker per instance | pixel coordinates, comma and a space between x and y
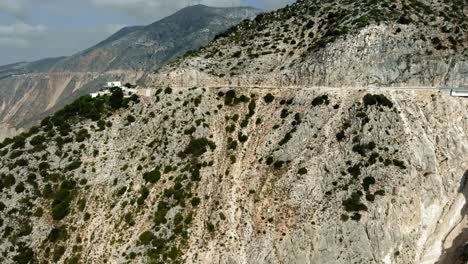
377, 56
298, 176
336, 44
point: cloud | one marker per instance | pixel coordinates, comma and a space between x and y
16, 8
154, 9
20, 34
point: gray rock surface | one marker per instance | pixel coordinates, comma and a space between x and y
260, 213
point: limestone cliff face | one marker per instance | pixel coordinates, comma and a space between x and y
278, 173
336, 43
251, 176
380, 55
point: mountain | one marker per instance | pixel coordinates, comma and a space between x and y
30, 91
146, 48
337, 43
264, 170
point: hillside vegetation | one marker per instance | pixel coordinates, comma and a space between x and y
239, 159
328, 43
192, 173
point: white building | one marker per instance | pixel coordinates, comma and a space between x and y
113, 84
459, 93
100, 93
128, 92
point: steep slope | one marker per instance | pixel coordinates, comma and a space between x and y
278, 174
337, 43
151, 46
28, 91
241, 176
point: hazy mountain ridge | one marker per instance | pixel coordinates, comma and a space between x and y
29, 91
146, 47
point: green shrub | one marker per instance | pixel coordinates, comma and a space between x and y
320, 100
37, 140
73, 260
195, 201
8, 180
58, 253
144, 192
268, 98
18, 142
399, 164
344, 217
24, 230
101, 124
25, 255
198, 147
356, 216
252, 106
210, 227
82, 135
146, 238
131, 119
362, 21
20, 188
73, 166
39, 212
116, 98
62, 199
21, 163
232, 144
174, 253
353, 204
361, 115
237, 54
152, 176
278, 164
160, 215
302, 171
355, 170
370, 197
373, 158
57, 234
367, 182
377, 99
178, 218
242, 138
340, 135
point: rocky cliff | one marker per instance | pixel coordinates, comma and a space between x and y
276, 173
30, 91
242, 176
337, 43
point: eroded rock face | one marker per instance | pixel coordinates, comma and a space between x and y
299, 176
379, 55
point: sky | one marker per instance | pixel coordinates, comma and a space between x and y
35, 29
